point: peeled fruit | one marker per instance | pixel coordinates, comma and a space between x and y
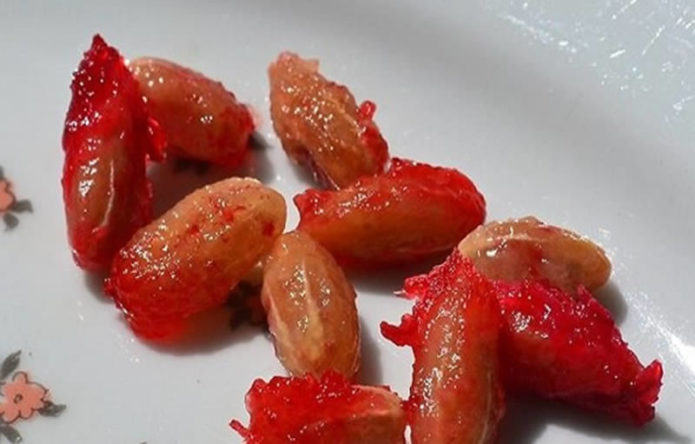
189, 259
106, 139
456, 395
411, 212
201, 120
321, 126
527, 248
311, 308
559, 346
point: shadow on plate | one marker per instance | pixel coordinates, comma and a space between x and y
257, 163
207, 333
304, 175
94, 282
527, 419
175, 178
371, 371
389, 280
610, 297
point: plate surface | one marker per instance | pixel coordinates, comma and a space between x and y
581, 113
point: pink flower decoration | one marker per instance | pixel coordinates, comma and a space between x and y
6, 196
21, 398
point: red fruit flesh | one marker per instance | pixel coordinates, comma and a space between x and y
320, 124
408, 213
201, 119
456, 394
305, 410
189, 259
106, 137
559, 347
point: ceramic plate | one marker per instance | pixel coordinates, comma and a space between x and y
581, 113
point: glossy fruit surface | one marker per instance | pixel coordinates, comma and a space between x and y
200, 118
310, 306
320, 124
410, 212
518, 249
328, 410
189, 259
106, 138
568, 348
456, 395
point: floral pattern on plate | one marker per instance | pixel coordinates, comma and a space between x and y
9, 205
21, 399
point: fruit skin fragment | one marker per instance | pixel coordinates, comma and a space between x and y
321, 126
526, 248
559, 347
199, 117
410, 212
456, 395
310, 306
565, 347
106, 138
189, 259
326, 410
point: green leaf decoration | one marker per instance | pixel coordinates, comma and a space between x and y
22, 206
9, 365
51, 409
11, 220
11, 434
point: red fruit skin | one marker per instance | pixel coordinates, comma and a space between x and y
410, 212
201, 119
558, 347
329, 410
107, 134
187, 261
320, 124
456, 394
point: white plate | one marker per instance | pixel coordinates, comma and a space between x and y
581, 113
